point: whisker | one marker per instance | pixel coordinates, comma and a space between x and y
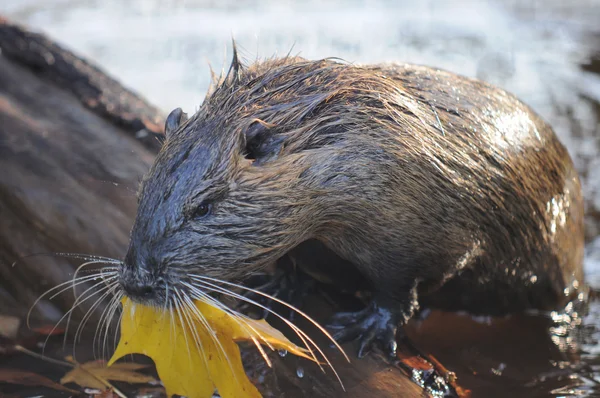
101, 271
291, 307
53, 289
89, 313
78, 302
112, 273
209, 329
112, 306
241, 321
297, 330
172, 330
105, 315
75, 304
105, 275
74, 285
99, 327
70, 283
78, 256
167, 297
112, 269
108, 290
115, 306
177, 308
301, 334
190, 324
118, 326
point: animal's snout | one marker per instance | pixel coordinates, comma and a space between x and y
143, 290
138, 285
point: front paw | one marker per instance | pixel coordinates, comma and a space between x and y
374, 324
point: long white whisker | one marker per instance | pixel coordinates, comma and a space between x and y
57, 287
298, 331
308, 318
114, 308
184, 309
109, 289
98, 270
77, 302
78, 256
118, 327
105, 320
303, 336
211, 332
83, 265
167, 298
112, 274
81, 280
241, 320
88, 314
177, 308
99, 326
113, 305
172, 329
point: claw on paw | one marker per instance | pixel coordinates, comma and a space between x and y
371, 325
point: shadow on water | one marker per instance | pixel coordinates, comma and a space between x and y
518, 356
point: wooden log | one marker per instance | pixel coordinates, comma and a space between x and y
88, 83
56, 157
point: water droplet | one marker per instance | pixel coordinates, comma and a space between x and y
498, 371
300, 372
282, 353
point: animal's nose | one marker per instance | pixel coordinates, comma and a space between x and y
138, 289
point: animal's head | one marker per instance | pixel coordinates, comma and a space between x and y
262, 166
219, 201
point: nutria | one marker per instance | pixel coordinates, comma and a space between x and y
437, 188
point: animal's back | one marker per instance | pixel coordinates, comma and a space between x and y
497, 200
438, 178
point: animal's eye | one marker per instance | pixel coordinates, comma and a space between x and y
202, 210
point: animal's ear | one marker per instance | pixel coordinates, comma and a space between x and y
174, 120
261, 142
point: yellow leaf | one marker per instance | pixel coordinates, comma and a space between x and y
95, 374
191, 360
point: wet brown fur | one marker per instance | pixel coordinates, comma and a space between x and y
412, 175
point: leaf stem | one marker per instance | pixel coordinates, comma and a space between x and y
73, 364
42, 357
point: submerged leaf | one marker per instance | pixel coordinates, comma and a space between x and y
192, 360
